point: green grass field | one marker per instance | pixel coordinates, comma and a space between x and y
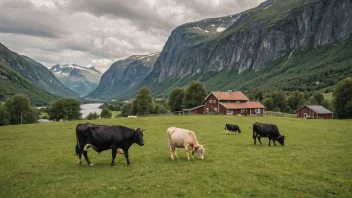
38, 160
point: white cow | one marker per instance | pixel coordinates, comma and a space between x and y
180, 138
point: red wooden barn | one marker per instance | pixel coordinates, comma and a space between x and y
315, 112
233, 103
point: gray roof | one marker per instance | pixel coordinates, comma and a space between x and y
319, 109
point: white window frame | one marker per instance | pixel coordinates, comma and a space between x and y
210, 101
214, 101
257, 111
215, 109
243, 110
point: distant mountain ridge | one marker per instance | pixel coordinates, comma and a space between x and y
39, 75
79, 79
124, 74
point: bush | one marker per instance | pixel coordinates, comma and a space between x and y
105, 113
92, 116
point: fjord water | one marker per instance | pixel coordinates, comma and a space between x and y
90, 108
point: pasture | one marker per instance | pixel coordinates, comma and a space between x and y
38, 160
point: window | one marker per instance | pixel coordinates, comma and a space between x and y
257, 111
215, 109
243, 110
210, 101
207, 109
214, 101
229, 111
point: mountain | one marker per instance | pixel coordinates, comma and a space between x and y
122, 75
34, 72
12, 82
287, 44
79, 79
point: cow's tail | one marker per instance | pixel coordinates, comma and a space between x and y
239, 130
225, 127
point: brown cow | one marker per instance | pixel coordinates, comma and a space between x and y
179, 138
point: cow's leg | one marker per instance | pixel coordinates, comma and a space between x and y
187, 151
274, 142
254, 137
259, 139
126, 156
172, 151
113, 154
79, 154
192, 154
175, 153
269, 140
85, 154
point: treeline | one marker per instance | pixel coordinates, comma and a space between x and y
144, 104
289, 102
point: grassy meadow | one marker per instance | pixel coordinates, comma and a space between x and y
38, 160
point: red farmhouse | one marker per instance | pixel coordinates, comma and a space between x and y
314, 112
233, 103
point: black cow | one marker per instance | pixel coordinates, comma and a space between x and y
102, 137
267, 130
232, 127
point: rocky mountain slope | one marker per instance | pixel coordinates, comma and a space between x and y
122, 75
79, 79
35, 72
269, 37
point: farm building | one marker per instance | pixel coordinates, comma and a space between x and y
314, 112
231, 103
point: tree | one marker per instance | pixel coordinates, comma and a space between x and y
194, 95
20, 110
175, 99
144, 101
92, 116
295, 100
133, 108
256, 95
343, 98
105, 113
4, 117
125, 110
317, 99
66, 109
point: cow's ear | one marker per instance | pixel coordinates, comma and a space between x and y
143, 129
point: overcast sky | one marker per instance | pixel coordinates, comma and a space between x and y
99, 32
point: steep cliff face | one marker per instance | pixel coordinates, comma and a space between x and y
79, 79
122, 75
35, 72
253, 38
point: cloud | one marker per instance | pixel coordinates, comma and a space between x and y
22, 17
90, 32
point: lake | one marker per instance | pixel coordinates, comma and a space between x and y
90, 108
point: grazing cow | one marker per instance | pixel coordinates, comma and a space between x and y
267, 130
232, 127
102, 137
183, 138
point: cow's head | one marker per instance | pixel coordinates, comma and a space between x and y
138, 136
200, 151
281, 140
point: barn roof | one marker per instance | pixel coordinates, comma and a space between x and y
247, 105
236, 95
317, 109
